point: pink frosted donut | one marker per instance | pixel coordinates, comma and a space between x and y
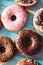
14, 17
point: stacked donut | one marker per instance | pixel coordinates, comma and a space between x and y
27, 42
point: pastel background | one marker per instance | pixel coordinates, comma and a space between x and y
12, 35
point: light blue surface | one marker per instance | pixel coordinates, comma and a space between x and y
12, 35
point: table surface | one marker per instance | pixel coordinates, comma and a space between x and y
12, 35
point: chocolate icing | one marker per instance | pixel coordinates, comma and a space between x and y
26, 1
28, 42
7, 49
27, 61
40, 19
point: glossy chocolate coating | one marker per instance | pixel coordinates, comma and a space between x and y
28, 42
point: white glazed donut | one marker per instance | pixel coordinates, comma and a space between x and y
38, 20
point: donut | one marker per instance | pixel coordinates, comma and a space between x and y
26, 2
27, 61
14, 17
38, 20
28, 42
7, 49
0, 22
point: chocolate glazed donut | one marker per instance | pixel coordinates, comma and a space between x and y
7, 49
27, 61
28, 42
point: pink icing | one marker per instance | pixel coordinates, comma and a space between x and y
20, 14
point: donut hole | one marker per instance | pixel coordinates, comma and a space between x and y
2, 49
27, 42
13, 17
